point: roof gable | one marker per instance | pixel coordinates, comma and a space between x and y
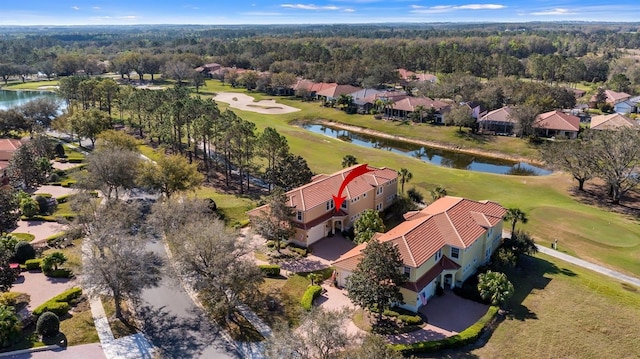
611, 122
557, 120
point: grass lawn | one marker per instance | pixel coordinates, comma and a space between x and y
32, 85
119, 328
73, 254
563, 311
287, 293
76, 328
151, 153
233, 207
589, 232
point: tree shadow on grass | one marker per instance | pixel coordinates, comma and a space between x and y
532, 274
178, 337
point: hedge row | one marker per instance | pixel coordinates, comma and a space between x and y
33, 264
309, 295
463, 338
60, 304
54, 240
270, 270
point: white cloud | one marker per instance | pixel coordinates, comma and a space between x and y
75, 8
310, 7
349, 10
417, 9
96, 8
261, 13
557, 11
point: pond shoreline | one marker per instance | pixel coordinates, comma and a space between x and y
470, 151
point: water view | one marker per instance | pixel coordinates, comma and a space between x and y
10, 99
432, 155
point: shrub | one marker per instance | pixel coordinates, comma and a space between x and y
270, 270
68, 295
46, 204
271, 244
48, 325
415, 195
60, 303
54, 178
309, 296
59, 273
59, 149
23, 251
59, 308
463, 338
301, 251
56, 239
410, 319
52, 261
9, 325
9, 299
33, 264
29, 207
64, 198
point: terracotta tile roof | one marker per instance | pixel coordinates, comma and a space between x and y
444, 264
611, 122
500, 115
613, 97
414, 76
331, 214
7, 147
410, 103
557, 120
336, 91
450, 221
322, 188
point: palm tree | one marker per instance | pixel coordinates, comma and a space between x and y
438, 192
515, 215
496, 287
348, 161
405, 176
420, 111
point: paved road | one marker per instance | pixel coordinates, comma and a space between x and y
594, 267
86, 351
174, 324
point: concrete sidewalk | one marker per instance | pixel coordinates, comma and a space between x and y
588, 265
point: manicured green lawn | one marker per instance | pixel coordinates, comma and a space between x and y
35, 85
586, 231
232, 207
563, 311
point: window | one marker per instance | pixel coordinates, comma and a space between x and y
299, 216
330, 205
438, 255
379, 190
344, 205
407, 271
455, 253
364, 195
379, 207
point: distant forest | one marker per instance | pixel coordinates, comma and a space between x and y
349, 54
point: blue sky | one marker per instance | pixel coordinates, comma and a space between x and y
94, 12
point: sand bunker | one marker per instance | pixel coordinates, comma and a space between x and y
248, 103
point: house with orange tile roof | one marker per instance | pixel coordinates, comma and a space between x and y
613, 121
440, 245
498, 121
315, 215
557, 124
7, 147
405, 106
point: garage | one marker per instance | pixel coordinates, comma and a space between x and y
316, 233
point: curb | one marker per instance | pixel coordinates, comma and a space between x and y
31, 350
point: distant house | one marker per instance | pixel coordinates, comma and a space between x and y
332, 93
611, 97
632, 105
557, 124
313, 87
613, 121
476, 109
404, 107
315, 215
209, 69
441, 246
362, 99
497, 122
407, 77
7, 147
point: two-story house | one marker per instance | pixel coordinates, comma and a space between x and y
441, 245
315, 215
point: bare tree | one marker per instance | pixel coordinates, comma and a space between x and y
321, 335
111, 169
115, 259
219, 264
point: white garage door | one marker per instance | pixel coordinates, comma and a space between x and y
316, 233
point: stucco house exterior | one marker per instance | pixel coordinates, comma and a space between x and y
557, 124
315, 215
498, 121
441, 245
